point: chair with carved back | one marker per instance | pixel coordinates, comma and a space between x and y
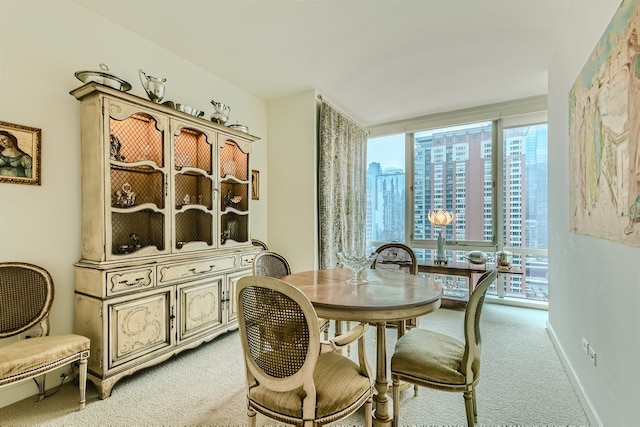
291, 375
26, 297
272, 264
430, 359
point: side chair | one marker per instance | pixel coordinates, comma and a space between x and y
272, 264
438, 361
291, 375
398, 256
26, 296
260, 244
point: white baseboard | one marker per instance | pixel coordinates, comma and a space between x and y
589, 410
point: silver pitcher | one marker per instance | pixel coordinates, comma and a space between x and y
153, 86
221, 113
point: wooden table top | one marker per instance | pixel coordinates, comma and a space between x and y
463, 268
389, 295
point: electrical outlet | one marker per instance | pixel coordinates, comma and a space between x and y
592, 355
585, 346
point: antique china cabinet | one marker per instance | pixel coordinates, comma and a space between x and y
165, 231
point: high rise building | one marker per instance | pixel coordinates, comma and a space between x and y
453, 171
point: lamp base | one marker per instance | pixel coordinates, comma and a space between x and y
440, 261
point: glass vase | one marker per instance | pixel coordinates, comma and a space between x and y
357, 264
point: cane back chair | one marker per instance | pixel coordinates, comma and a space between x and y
259, 243
291, 376
272, 264
400, 257
26, 296
438, 361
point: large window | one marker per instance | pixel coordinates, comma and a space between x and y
493, 180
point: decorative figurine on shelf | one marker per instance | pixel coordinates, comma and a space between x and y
135, 241
124, 198
115, 149
231, 201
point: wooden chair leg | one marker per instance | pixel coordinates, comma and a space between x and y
475, 405
395, 388
368, 412
82, 381
41, 386
468, 403
251, 417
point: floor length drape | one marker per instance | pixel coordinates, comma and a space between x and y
342, 186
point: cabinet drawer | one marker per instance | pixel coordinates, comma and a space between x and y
172, 272
247, 260
130, 280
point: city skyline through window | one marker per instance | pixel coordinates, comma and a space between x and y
454, 168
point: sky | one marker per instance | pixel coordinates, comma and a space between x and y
386, 150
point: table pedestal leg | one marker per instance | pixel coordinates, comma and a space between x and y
381, 413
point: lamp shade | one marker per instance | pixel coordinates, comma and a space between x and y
440, 217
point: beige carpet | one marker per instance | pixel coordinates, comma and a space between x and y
522, 384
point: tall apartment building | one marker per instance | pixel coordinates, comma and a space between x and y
453, 171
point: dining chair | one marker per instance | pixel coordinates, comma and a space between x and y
430, 359
291, 375
400, 257
260, 244
272, 264
26, 297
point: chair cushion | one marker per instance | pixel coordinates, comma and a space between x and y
338, 381
430, 356
34, 353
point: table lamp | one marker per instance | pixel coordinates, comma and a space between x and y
442, 219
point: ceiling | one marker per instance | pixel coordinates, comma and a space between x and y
376, 60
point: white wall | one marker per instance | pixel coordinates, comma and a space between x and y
42, 44
292, 157
594, 283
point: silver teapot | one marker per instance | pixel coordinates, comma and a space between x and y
221, 113
153, 86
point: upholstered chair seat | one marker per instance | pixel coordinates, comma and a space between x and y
430, 359
26, 297
291, 375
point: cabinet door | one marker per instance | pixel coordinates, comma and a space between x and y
136, 187
230, 294
194, 181
234, 191
139, 326
199, 305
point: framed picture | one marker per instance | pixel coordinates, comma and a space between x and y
19, 154
255, 185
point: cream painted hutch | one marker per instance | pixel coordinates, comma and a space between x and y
165, 231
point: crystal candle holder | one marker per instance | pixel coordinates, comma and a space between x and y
357, 264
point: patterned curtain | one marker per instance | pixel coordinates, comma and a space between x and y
342, 186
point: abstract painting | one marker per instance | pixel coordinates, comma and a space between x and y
604, 134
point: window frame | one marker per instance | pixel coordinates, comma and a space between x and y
519, 113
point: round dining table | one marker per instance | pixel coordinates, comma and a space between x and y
389, 296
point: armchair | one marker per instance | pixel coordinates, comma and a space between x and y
291, 376
26, 296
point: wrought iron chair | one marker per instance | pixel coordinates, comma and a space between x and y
291, 376
26, 296
272, 264
438, 361
398, 256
